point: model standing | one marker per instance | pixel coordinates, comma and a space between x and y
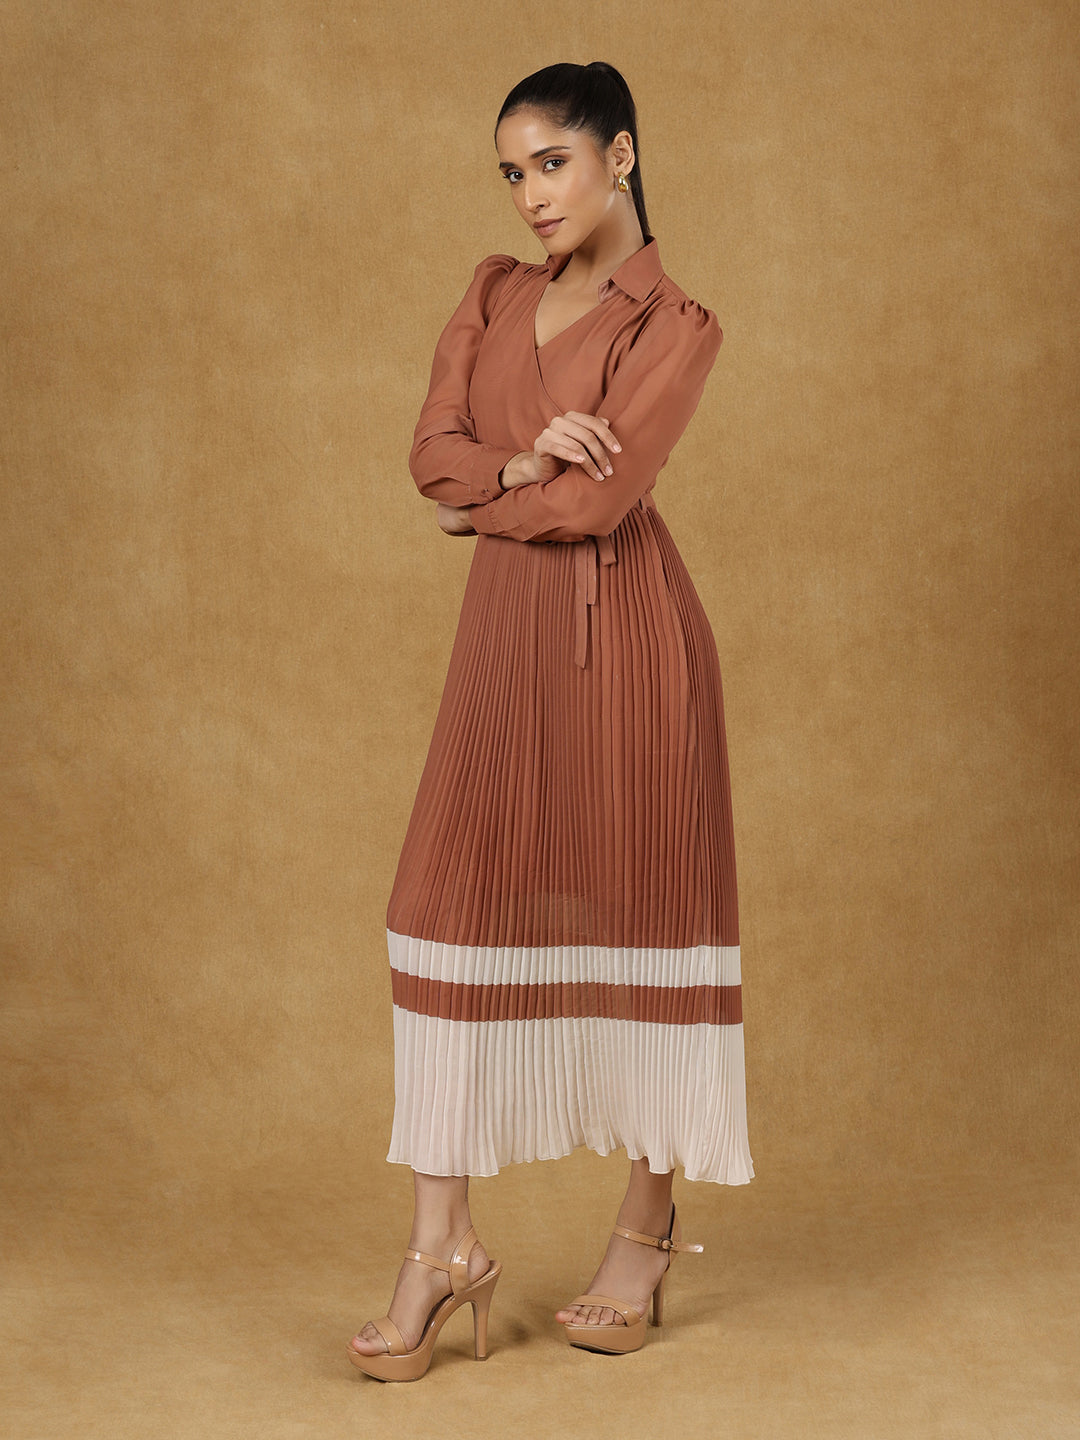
563, 926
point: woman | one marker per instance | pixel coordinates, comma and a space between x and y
563, 926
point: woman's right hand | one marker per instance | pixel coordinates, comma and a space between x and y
573, 438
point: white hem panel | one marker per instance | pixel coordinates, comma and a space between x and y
472, 1096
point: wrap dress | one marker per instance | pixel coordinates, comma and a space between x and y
563, 924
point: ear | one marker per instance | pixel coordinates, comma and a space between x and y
621, 151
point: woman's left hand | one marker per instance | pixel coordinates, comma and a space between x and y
454, 519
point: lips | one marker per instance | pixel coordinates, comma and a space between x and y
544, 227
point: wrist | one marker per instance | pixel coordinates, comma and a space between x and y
513, 472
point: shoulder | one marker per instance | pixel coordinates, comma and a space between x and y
491, 276
671, 309
493, 266
676, 333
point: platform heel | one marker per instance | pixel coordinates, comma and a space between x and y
397, 1362
622, 1339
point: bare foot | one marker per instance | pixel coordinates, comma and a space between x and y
419, 1289
629, 1271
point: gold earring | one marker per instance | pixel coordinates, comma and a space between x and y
622, 183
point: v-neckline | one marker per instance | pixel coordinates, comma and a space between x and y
543, 290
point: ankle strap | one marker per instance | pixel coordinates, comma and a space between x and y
431, 1260
662, 1242
457, 1267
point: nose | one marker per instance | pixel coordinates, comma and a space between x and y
533, 200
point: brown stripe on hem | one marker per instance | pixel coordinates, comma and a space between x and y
654, 1004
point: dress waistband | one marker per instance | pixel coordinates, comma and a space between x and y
592, 550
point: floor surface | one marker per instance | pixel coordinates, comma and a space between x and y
939, 1307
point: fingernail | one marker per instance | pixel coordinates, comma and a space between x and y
615, 445
579, 457
607, 469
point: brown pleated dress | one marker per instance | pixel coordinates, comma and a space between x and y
563, 926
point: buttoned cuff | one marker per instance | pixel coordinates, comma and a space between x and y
485, 521
483, 482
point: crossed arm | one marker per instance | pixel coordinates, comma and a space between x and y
649, 403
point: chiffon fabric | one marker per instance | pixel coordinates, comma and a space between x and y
563, 925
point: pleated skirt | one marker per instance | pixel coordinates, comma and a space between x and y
563, 924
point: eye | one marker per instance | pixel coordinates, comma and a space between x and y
560, 161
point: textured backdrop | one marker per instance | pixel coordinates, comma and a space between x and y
231, 238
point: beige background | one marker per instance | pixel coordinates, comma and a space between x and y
231, 239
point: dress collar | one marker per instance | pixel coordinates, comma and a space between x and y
637, 276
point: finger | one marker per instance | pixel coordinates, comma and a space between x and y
594, 461
599, 424
586, 429
568, 450
608, 435
587, 450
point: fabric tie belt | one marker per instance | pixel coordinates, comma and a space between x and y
593, 550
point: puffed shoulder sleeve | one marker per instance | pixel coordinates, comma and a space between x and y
652, 396
446, 460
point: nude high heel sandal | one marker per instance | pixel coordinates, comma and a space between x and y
621, 1339
399, 1363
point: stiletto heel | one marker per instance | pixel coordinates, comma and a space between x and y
397, 1362
622, 1339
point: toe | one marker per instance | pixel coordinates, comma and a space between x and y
368, 1341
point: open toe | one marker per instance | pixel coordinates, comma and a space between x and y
626, 1330
399, 1361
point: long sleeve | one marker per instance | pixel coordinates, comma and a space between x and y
649, 403
446, 460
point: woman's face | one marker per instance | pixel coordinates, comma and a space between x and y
569, 181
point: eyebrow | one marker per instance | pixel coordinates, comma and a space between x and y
509, 164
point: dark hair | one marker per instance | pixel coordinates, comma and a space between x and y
594, 98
